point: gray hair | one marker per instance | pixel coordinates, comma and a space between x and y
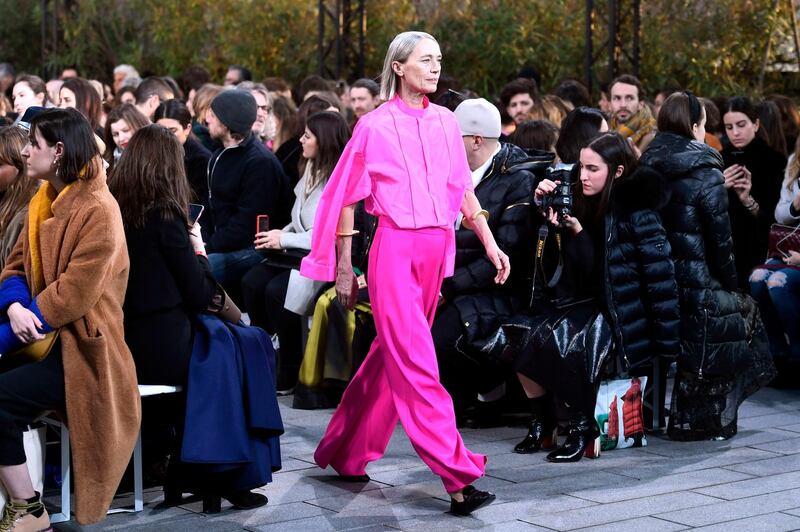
128, 70
399, 50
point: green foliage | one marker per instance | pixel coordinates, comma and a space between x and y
711, 46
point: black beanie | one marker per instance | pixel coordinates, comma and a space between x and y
236, 109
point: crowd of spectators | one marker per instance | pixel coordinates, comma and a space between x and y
672, 205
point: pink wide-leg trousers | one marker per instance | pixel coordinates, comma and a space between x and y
399, 378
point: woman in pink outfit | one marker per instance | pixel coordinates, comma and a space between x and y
407, 159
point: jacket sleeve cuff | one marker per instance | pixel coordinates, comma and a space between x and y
35, 309
14, 290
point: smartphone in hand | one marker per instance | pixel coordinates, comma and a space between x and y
195, 211
262, 223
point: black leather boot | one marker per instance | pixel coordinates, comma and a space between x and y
541, 427
582, 439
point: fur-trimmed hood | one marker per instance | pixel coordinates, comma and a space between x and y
645, 188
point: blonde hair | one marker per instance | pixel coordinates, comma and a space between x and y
202, 100
399, 50
793, 168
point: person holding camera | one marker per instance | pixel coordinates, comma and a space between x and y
753, 175
614, 299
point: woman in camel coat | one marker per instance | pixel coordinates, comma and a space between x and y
68, 272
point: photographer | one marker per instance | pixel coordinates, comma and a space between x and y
616, 287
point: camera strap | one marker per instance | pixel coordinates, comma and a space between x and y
544, 231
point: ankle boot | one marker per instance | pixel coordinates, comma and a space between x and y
582, 439
541, 427
25, 516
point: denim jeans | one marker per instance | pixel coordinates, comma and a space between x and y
778, 295
229, 268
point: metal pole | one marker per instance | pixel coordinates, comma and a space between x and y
588, 50
339, 47
795, 33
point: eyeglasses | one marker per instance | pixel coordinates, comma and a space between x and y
265, 108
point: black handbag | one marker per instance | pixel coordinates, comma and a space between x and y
284, 258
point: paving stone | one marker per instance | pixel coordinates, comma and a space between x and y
653, 467
769, 466
786, 446
770, 421
650, 524
754, 486
793, 511
793, 428
667, 484
745, 438
268, 514
529, 504
770, 522
720, 512
619, 511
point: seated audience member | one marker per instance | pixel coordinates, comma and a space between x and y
16, 188
122, 122
53, 87
79, 94
200, 105
776, 285
790, 117
311, 86
364, 96
471, 302
150, 93
630, 114
714, 129
574, 92
245, 180
284, 115
278, 87
290, 150
170, 285
67, 284
194, 77
616, 263
716, 368
274, 296
535, 134
769, 116
753, 176
520, 98
127, 94
29, 91
264, 126
122, 73
237, 74
174, 115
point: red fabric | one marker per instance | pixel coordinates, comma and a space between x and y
613, 420
632, 409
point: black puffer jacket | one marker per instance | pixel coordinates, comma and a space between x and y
505, 191
697, 224
641, 292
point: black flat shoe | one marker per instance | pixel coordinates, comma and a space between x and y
354, 478
245, 499
473, 499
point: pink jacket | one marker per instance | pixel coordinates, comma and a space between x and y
411, 167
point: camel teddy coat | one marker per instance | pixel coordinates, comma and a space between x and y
85, 265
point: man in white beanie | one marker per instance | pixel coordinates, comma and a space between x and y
472, 304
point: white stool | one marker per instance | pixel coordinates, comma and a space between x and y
145, 390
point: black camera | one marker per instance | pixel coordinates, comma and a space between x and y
561, 198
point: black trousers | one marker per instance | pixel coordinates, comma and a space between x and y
264, 292
25, 393
462, 376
